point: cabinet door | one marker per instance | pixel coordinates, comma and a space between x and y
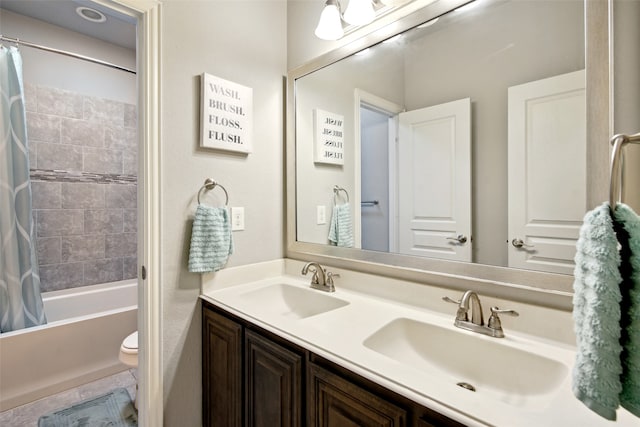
335, 402
273, 384
222, 371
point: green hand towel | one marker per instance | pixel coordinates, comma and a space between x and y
628, 232
211, 239
596, 313
340, 229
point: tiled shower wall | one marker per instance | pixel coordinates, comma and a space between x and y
82, 151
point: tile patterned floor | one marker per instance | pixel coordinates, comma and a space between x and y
27, 415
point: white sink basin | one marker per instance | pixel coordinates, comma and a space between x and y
514, 376
291, 301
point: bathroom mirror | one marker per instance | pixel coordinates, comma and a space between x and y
488, 149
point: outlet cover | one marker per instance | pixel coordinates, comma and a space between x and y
237, 219
321, 214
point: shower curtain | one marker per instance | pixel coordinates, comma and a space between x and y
20, 299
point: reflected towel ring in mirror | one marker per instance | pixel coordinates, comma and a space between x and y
210, 184
336, 190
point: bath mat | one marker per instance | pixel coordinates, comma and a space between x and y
113, 409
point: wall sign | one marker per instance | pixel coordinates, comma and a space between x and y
328, 137
226, 122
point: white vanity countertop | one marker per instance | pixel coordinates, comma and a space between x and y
339, 335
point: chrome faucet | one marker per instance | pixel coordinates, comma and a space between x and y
476, 307
321, 279
493, 327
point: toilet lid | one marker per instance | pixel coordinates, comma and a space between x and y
131, 342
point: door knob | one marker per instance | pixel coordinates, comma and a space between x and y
518, 243
460, 238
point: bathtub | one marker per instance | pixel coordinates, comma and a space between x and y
80, 343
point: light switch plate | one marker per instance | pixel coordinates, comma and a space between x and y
321, 214
237, 218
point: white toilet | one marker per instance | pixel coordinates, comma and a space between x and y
129, 356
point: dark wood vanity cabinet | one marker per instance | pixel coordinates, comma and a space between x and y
334, 401
221, 370
251, 377
273, 383
247, 379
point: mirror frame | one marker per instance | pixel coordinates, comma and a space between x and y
539, 288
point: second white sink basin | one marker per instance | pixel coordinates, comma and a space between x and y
514, 376
291, 301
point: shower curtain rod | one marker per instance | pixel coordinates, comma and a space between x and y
64, 52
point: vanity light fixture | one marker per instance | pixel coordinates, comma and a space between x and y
359, 12
392, 2
330, 24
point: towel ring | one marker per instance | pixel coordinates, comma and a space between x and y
336, 190
617, 155
210, 184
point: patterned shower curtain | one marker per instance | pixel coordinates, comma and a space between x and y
20, 299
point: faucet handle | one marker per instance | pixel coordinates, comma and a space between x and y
452, 301
329, 287
494, 321
496, 310
461, 314
330, 276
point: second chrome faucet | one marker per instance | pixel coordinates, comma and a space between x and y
471, 301
321, 279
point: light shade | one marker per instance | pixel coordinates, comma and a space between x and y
330, 25
359, 12
392, 2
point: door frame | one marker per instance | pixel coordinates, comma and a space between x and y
364, 98
147, 15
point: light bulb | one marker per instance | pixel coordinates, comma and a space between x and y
359, 12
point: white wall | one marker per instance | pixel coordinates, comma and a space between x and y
63, 72
245, 42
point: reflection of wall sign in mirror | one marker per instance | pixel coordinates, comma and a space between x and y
328, 137
226, 122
